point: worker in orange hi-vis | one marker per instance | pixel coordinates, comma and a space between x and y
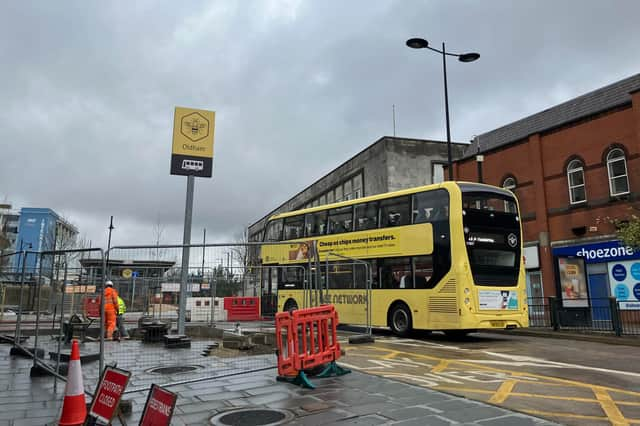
110, 308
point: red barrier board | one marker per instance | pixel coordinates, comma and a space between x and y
108, 394
242, 308
159, 407
92, 306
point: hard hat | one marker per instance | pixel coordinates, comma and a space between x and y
109, 283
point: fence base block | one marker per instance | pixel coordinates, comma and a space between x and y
333, 369
300, 380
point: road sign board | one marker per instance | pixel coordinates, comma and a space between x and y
192, 152
108, 394
126, 273
159, 407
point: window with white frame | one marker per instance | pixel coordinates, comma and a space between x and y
575, 179
617, 169
437, 172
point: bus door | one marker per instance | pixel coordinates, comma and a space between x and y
345, 288
269, 292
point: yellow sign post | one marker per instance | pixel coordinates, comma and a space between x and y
192, 151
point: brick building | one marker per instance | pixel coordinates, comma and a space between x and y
573, 167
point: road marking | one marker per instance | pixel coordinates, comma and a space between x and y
394, 359
541, 413
541, 362
609, 407
442, 366
503, 392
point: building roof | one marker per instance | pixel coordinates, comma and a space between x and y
605, 98
368, 148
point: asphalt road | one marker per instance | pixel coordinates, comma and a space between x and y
566, 381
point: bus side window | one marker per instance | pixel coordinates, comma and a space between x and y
366, 216
395, 211
430, 206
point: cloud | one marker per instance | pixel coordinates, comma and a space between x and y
298, 88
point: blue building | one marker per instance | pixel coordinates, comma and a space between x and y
41, 229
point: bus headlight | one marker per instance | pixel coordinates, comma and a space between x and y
466, 301
466, 291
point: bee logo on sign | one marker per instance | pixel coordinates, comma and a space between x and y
192, 152
195, 127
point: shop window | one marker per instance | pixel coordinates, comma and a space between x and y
575, 177
617, 169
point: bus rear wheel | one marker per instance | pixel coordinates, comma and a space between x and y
400, 319
290, 306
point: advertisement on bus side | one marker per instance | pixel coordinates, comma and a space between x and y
411, 240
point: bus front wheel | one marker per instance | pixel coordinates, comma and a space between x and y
400, 319
290, 306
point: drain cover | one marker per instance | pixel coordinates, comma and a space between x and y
252, 417
174, 369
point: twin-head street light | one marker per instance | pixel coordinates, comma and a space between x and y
420, 43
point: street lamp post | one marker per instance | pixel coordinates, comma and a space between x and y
420, 43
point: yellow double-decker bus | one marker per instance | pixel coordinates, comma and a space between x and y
440, 257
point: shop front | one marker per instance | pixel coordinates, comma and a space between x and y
588, 275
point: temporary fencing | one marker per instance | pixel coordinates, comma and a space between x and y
221, 336
307, 339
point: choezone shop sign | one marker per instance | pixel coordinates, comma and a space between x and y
608, 251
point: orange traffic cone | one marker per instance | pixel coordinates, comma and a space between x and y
74, 407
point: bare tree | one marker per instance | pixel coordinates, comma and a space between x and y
240, 255
158, 232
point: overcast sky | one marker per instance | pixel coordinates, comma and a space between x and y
88, 90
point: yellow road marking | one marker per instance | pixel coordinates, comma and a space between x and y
554, 414
452, 389
561, 398
390, 355
607, 403
441, 366
503, 392
609, 406
515, 373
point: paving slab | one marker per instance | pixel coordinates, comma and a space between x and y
353, 399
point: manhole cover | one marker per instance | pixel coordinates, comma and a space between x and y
174, 369
252, 417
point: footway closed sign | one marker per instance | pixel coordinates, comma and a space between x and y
107, 397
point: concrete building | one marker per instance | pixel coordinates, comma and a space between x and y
389, 164
9, 219
574, 168
42, 229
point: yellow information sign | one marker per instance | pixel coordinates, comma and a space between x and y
412, 240
192, 151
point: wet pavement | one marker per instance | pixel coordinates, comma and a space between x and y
352, 399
